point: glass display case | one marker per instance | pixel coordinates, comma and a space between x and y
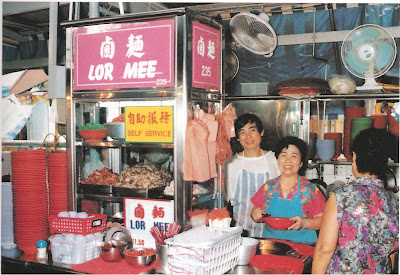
155, 68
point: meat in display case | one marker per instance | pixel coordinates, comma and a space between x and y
135, 84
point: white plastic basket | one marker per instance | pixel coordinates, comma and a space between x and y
76, 251
213, 257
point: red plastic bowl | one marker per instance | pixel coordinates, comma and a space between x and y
278, 223
93, 135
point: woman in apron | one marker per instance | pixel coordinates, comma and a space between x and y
247, 171
291, 196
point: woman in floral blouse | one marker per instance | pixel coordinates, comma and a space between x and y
290, 195
360, 224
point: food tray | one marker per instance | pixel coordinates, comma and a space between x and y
75, 251
82, 226
152, 193
96, 189
213, 257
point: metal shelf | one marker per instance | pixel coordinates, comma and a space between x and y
325, 97
122, 144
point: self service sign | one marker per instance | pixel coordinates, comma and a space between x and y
206, 57
142, 214
149, 124
131, 55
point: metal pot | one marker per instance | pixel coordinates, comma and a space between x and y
247, 250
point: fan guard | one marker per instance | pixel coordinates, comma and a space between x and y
368, 52
231, 65
254, 33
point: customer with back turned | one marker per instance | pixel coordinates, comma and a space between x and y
360, 224
291, 195
247, 170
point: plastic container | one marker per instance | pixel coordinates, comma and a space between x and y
41, 253
76, 251
258, 88
116, 130
213, 257
83, 226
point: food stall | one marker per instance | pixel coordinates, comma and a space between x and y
138, 81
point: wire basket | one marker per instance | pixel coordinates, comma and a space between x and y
82, 226
214, 257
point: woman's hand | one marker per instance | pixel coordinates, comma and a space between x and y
300, 223
257, 213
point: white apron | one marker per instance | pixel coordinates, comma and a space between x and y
247, 185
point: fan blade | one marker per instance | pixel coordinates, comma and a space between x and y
359, 36
384, 55
353, 60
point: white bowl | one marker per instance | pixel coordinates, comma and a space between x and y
116, 130
342, 84
247, 250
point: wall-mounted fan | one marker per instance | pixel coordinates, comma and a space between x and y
368, 52
231, 65
254, 33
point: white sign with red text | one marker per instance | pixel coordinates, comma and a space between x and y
130, 55
206, 57
142, 214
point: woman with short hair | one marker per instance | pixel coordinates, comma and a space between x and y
360, 224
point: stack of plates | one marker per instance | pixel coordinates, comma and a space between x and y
57, 183
349, 114
7, 234
30, 198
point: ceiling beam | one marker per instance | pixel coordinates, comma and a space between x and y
11, 8
13, 35
324, 37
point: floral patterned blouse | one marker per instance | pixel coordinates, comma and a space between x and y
368, 217
312, 201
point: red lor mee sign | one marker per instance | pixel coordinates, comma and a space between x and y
131, 55
206, 57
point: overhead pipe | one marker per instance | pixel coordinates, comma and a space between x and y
94, 9
121, 7
335, 44
313, 47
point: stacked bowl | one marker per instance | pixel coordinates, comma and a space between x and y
57, 182
358, 124
326, 149
337, 137
349, 114
380, 121
30, 198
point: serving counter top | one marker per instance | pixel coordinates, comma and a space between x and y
14, 261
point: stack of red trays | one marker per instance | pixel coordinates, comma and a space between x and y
349, 114
57, 183
30, 198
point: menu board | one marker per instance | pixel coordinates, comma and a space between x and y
130, 55
206, 57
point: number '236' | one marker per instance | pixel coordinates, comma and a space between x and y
206, 71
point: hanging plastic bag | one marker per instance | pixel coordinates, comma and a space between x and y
14, 117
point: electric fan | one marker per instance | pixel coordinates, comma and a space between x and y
231, 65
254, 33
368, 52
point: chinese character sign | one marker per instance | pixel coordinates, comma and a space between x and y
149, 124
142, 214
206, 57
132, 55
